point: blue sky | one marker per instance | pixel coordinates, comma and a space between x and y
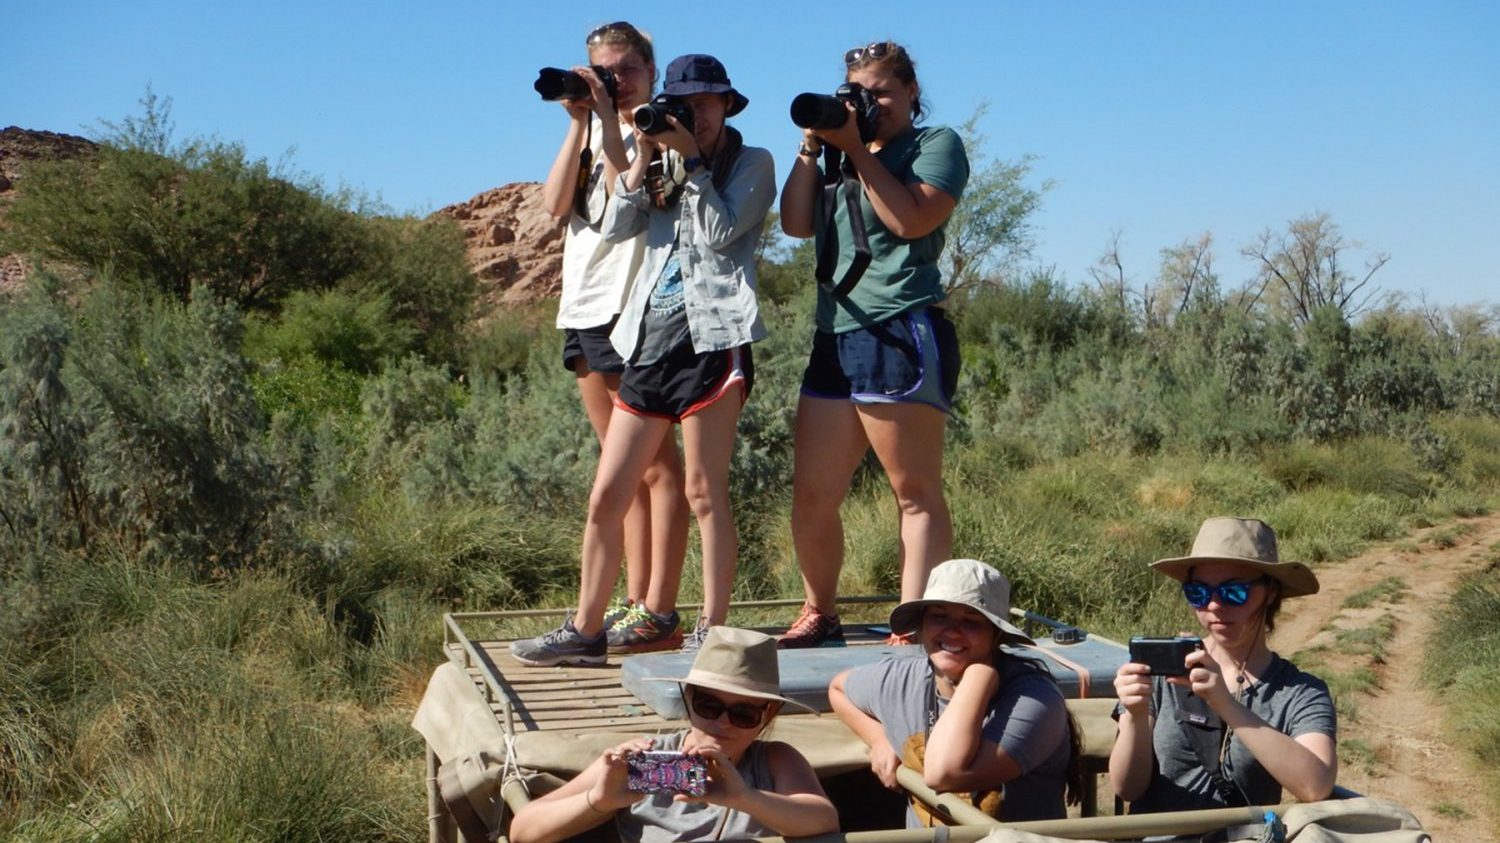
1156, 120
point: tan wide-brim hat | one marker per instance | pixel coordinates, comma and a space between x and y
737, 661
1243, 541
964, 582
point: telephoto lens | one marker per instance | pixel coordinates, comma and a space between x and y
818, 111
554, 83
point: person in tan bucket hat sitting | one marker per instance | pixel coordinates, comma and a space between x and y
755, 788
974, 718
1243, 723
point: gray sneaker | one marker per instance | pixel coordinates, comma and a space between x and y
617, 610
560, 646
693, 641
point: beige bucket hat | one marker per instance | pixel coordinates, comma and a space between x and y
737, 661
964, 582
1245, 541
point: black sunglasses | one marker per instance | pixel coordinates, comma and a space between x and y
620, 26
871, 52
1231, 593
710, 707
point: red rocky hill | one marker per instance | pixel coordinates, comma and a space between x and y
514, 246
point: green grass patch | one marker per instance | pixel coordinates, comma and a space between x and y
1367, 641
1388, 590
1451, 811
1359, 753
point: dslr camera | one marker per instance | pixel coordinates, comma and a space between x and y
1165, 656
651, 118
820, 111
554, 83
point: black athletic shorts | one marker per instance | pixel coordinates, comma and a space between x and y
682, 383
593, 345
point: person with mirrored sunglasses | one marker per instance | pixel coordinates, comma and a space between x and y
1243, 724
883, 367
756, 787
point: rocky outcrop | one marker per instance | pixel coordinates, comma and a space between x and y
19, 148
514, 245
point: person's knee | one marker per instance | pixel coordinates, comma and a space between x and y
704, 497
609, 502
919, 496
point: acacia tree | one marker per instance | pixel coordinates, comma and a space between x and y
1304, 270
990, 230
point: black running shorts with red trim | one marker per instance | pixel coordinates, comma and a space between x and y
681, 383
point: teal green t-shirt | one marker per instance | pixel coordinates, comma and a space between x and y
903, 274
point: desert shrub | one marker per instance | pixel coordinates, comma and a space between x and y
420, 268
355, 332
166, 448
203, 215
502, 345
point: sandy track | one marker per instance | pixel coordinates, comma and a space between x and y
1410, 760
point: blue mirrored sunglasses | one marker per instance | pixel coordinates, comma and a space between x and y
1231, 593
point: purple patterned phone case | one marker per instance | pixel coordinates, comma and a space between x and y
666, 772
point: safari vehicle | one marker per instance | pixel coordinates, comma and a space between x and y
500, 733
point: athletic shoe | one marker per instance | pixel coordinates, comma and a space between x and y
813, 629
901, 639
693, 641
560, 646
617, 610
641, 630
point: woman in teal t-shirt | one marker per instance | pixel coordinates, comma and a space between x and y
885, 359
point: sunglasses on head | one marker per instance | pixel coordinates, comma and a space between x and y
871, 52
620, 26
710, 707
1231, 593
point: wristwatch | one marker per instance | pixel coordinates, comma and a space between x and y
692, 164
804, 149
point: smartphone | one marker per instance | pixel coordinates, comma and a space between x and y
1165, 656
666, 772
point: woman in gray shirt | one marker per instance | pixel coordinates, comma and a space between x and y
1242, 723
978, 718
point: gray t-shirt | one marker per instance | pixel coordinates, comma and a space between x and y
1292, 702
1027, 718
659, 818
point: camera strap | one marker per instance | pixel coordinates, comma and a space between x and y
585, 175
839, 175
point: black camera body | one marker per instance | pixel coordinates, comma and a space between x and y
1165, 656
820, 111
651, 118
554, 83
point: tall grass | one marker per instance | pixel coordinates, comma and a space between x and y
1463, 665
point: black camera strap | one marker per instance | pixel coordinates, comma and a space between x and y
838, 176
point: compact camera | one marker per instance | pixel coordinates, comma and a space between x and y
820, 111
554, 83
666, 772
1165, 656
651, 118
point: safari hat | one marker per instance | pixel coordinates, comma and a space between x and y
963, 582
1244, 541
696, 73
737, 661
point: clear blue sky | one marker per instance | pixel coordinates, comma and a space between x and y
1156, 120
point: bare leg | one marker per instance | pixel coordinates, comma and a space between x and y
829, 443
908, 439
597, 392
708, 447
632, 443
669, 527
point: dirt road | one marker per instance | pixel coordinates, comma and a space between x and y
1392, 741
